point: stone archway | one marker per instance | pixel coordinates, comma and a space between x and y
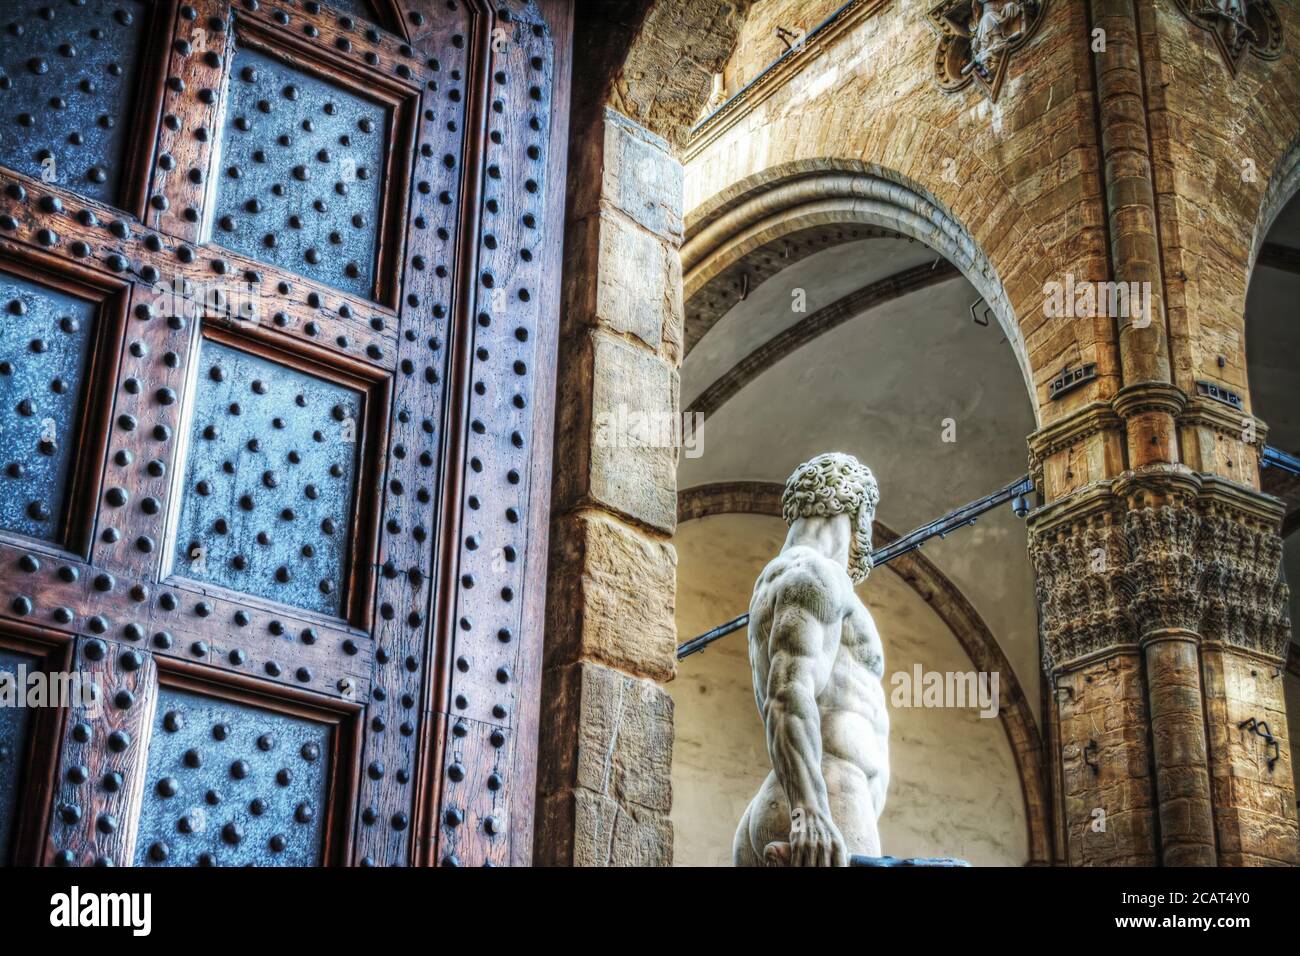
784, 200
956, 612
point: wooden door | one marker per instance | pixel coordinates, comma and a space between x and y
273, 310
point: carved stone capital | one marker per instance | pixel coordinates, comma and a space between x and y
1148, 397
1157, 551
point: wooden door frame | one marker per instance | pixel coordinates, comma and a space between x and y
558, 15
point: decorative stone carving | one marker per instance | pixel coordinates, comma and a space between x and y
1238, 27
1079, 583
1183, 552
977, 39
818, 662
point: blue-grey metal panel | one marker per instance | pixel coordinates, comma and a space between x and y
45, 342
301, 169
269, 485
68, 75
358, 8
15, 724
229, 784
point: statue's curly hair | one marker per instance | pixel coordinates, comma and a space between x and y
835, 484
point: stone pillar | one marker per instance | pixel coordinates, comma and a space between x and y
1178, 746
1162, 581
605, 749
1147, 408
1164, 626
1092, 658
1246, 629
1163, 622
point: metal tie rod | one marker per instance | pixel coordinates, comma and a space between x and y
960, 518
1277, 458
963, 516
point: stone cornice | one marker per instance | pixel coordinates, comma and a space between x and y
1159, 484
1079, 506
1247, 504
1217, 415
1149, 397
1091, 419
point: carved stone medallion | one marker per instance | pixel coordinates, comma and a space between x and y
1238, 27
977, 39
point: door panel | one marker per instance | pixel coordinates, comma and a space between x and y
15, 740
234, 784
272, 285
49, 339
74, 87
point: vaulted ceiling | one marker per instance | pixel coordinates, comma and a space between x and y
880, 376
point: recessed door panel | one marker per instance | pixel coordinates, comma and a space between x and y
270, 482
68, 82
302, 162
46, 338
230, 784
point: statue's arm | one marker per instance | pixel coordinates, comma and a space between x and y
796, 652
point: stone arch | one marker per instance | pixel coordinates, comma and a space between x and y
957, 614
779, 201
1283, 186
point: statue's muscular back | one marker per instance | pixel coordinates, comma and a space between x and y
817, 663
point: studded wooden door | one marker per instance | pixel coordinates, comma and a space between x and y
274, 280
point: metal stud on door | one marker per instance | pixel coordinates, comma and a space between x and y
237, 321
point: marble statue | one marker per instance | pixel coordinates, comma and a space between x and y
817, 664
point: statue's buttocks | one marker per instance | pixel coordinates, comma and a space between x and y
817, 664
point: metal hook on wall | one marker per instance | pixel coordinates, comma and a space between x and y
1272, 748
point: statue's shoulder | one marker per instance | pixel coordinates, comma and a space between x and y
800, 560
804, 572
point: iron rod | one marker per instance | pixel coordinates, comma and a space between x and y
953, 520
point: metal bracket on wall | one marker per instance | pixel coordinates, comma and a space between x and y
1272, 748
1070, 379
1277, 458
1219, 394
1090, 756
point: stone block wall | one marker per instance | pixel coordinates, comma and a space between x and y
604, 784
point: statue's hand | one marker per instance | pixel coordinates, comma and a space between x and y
815, 840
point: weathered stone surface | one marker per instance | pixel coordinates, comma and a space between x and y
622, 278
591, 830
617, 431
605, 794
614, 597
1254, 805
640, 177
668, 71
623, 730
1105, 761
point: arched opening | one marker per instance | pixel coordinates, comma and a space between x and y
832, 307
1273, 368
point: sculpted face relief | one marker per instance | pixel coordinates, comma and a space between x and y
817, 664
